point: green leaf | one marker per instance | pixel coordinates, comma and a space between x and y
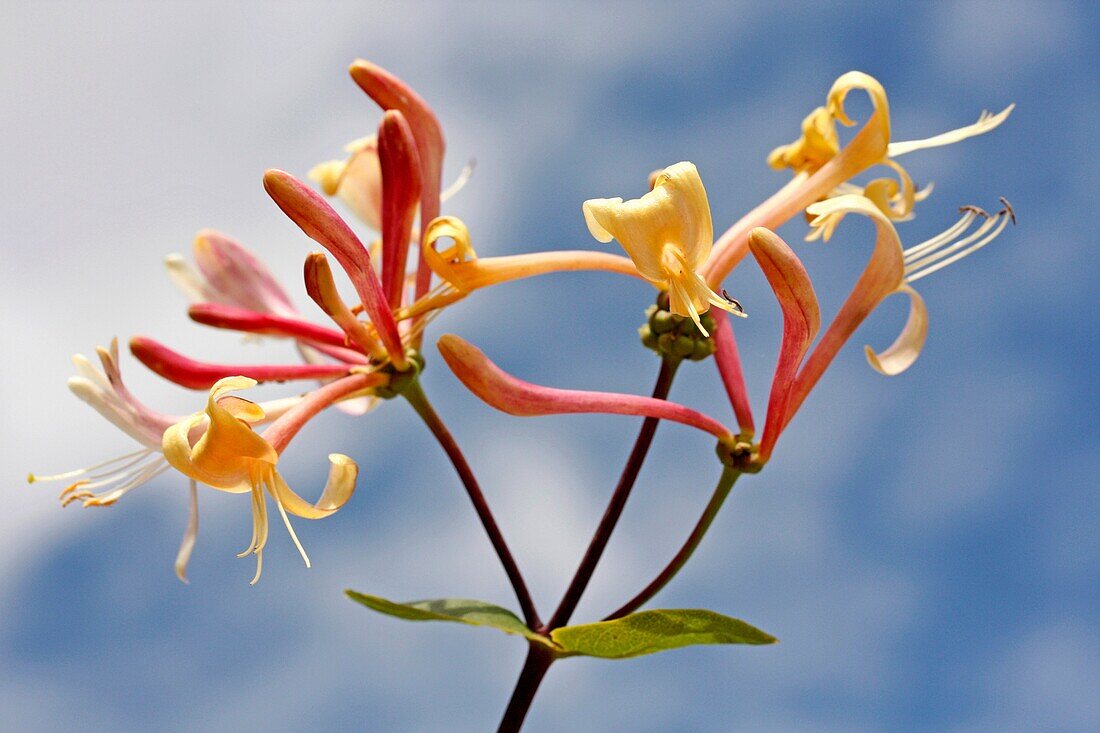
459, 610
654, 631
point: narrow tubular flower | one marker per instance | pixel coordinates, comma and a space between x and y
822, 168
230, 456
668, 234
514, 396
391, 93
728, 361
324, 226
192, 374
801, 321
463, 271
103, 484
401, 190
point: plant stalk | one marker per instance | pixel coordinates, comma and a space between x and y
539, 659
615, 506
721, 491
419, 401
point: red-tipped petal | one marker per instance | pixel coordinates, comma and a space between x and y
514, 396
323, 225
193, 374
801, 321
401, 188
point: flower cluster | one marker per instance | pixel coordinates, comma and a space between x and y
422, 262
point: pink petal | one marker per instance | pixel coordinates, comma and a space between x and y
323, 225
400, 192
514, 396
801, 321
238, 275
201, 375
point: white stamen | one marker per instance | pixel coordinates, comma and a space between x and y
938, 259
943, 237
33, 478
290, 529
464, 176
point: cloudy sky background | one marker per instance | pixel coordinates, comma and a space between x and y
926, 547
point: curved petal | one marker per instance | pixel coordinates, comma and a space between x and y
504, 392
674, 213
240, 277
884, 273
342, 476
985, 123
901, 354
226, 454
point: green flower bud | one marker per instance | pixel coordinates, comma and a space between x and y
649, 339
683, 346
662, 322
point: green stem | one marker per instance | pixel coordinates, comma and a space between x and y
721, 491
615, 506
419, 401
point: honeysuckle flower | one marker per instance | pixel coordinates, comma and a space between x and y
230, 456
104, 390
822, 168
506, 393
890, 269
668, 235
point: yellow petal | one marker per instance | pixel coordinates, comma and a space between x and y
901, 354
675, 213
985, 123
225, 454
338, 489
357, 180
187, 545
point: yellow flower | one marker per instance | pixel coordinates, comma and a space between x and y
668, 234
356, 180
230, 456
819, 145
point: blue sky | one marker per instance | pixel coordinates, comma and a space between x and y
924, 546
